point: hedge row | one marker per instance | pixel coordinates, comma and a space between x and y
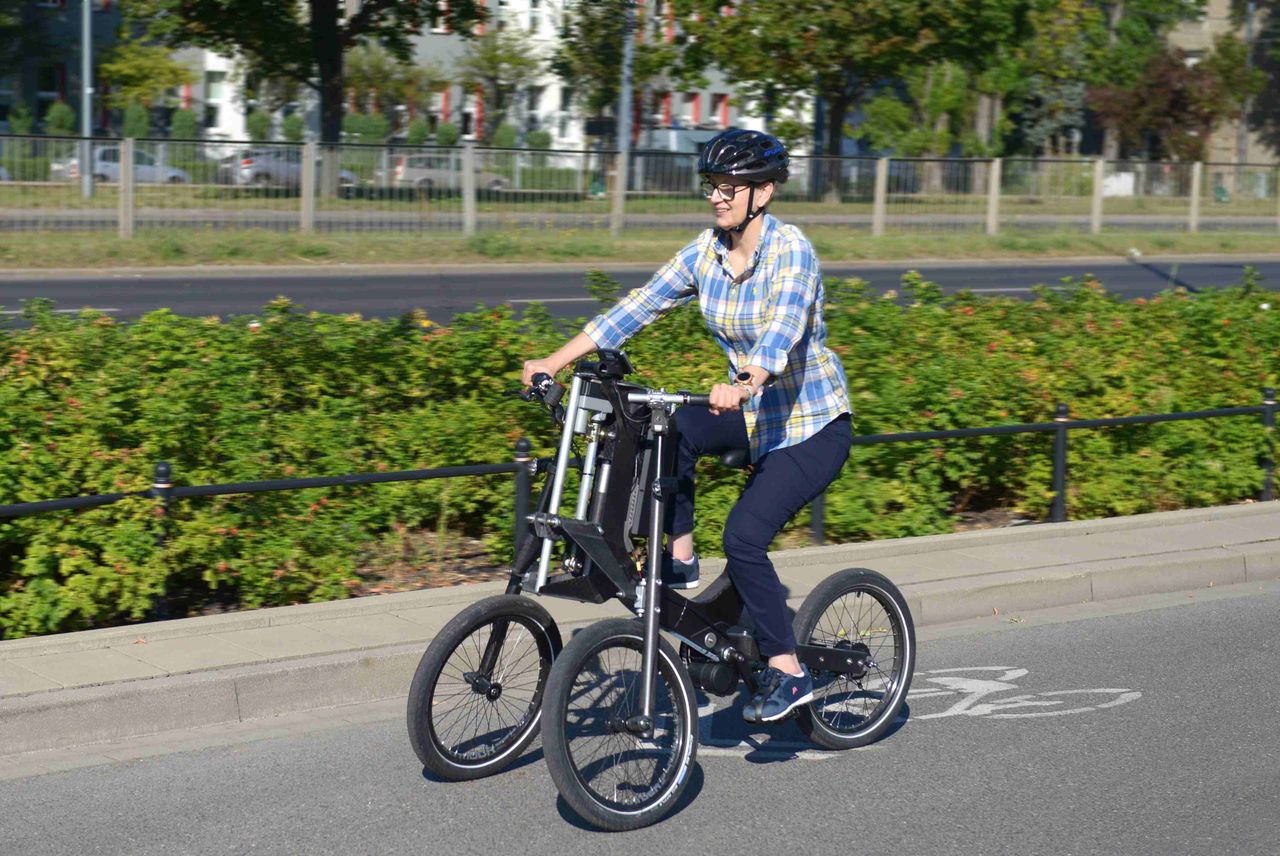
88, 405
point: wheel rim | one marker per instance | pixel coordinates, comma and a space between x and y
475, 718
622, 771
859, 620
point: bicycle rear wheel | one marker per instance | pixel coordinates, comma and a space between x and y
613, 778
471, 715
860, 611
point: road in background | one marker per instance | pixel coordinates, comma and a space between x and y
442, 293
1145, 726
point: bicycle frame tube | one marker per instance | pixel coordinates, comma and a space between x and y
557, 481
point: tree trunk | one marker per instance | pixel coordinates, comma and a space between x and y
1110, 144
326, 37
838, 109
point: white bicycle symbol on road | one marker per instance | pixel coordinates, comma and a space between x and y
976, 695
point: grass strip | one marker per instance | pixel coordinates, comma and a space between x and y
168, 247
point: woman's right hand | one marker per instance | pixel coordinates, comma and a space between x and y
533, 367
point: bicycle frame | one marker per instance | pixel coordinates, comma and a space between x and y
630, 426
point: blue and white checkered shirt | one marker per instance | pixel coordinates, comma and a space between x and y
771, 319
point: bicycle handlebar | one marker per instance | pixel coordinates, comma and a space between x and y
655, 396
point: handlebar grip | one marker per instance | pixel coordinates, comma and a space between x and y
697, 400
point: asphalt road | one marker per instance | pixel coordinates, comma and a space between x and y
1138, 727
443, 293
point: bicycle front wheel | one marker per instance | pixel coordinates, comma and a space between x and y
862, 612
613, 778
476, 697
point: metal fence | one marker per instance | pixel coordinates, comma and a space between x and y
145, 184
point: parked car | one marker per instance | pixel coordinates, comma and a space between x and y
270, 167
106, 167
429, 172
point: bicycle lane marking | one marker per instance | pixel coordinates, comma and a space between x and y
722, 733
976, 694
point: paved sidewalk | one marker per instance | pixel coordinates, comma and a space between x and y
99, 685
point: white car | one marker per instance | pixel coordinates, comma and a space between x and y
106, 167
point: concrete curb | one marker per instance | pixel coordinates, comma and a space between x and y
1079, 562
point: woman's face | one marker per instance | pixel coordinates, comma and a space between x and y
728, 198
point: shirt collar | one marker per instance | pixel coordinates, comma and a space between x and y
720, 242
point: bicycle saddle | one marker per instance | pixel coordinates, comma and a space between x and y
736, 459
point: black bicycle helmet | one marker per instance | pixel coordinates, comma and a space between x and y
753, 155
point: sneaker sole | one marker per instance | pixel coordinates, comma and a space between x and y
804, 699
692, 585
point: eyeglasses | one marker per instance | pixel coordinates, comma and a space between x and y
727, 191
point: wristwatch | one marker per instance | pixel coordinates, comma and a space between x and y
743, 379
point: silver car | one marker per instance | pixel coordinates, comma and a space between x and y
270, 167
106, 167
429, 172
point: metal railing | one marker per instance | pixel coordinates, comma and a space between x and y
148, 184
524, 467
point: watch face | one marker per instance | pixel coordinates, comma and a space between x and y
744, 376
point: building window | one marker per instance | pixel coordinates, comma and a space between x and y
692, 108
211, 115
442, 24
535, 16
215, 85
720, 109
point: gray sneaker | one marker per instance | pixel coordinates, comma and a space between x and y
679, 575
778, 695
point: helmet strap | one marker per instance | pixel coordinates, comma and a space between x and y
751, 215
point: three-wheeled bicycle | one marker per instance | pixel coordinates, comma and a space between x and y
617, 705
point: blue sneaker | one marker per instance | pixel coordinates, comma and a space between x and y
679, 575
779, 694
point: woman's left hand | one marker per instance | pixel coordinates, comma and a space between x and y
727, 397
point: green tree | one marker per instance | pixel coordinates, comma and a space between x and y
22, 34
60, 120
142, 73
294, 127
370, 129
840, 52
497, 63
589, 55
381, 83
258, 125
1135, 31
183, 125
137, 121
301, 40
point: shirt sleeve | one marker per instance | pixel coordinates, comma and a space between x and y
794, 289
673, 285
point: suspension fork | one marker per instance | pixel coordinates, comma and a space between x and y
653, 576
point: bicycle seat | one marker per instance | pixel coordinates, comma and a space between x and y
736, 459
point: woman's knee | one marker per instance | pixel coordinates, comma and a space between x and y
746, 536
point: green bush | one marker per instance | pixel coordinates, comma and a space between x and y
538, 139
60, 120
504, 136
447, 134
183, 125
258, 126
88, 405
294, 128
137, 121
369, 128
21, 121
418, 132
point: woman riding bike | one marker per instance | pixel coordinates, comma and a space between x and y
759, 287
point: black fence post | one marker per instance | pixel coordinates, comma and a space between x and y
162, 490
817, 515
1269, 423
523, 478
1058, 511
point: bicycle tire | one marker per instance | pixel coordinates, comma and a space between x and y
595, 687
446, 699
857, 609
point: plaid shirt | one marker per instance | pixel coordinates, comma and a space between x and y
771, 319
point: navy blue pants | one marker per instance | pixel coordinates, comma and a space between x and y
781, 483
